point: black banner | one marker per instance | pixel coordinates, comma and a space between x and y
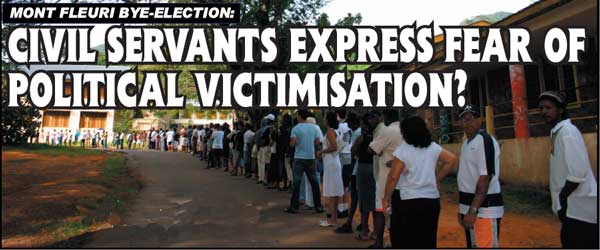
121, 13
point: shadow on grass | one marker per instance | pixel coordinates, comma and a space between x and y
517, 199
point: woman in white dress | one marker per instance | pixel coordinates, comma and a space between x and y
333, 186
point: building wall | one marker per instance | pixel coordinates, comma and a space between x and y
74, 120
526, 161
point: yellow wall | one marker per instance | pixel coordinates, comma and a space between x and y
526, 161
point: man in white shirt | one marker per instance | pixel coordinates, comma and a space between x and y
386, 140
217, 146
170, 137
573, 188
153, 141
345, 160
481, 206
248, 143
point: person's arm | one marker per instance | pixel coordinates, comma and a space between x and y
392, 180
486, 164
576, 158
448, 161
331, 140
355, 147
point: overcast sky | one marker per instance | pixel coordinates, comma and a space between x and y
397, 12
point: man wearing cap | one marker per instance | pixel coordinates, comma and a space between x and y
480, 201
573, 188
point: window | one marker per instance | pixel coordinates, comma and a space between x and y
550, 77
57, 119
92, 120
569, 86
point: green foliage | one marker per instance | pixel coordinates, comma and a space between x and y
18, 124
490, 18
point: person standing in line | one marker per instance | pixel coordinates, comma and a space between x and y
183, 139
248, 145
217, 146
263, 147
76, 136
105, 139
121, 139
283, 151
238, 147
200, 143
481, 206
354, 125
170, 138
306, 193
345, 160
209, 143
274, 175
333, 186
225, 155
365, 179
304, 138
383, 146
194, 140
412, 186
573, 188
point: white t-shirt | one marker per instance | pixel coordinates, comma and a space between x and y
472, 165
218, 139
418, 178
387, 140
170, 136
153, 135
569, 160
346, 133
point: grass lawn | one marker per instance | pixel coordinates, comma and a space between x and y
50, 194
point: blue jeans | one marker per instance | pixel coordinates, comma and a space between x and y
303, 185
300, 167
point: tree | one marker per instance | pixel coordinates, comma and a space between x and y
281, 14
18, 124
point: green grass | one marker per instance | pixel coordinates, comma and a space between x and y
517, 199
47, 150
114, 166
65, 230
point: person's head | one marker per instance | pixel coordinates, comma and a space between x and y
352, 120
391, 115
470, 119
365, 126
374, 118
286, 121
341, 114
303, 114
553, 107
415, 132
332, 120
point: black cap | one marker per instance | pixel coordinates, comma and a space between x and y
555, 96
470, 108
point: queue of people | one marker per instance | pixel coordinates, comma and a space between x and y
395, 171
380, 167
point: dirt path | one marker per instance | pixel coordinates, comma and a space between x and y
185, 205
